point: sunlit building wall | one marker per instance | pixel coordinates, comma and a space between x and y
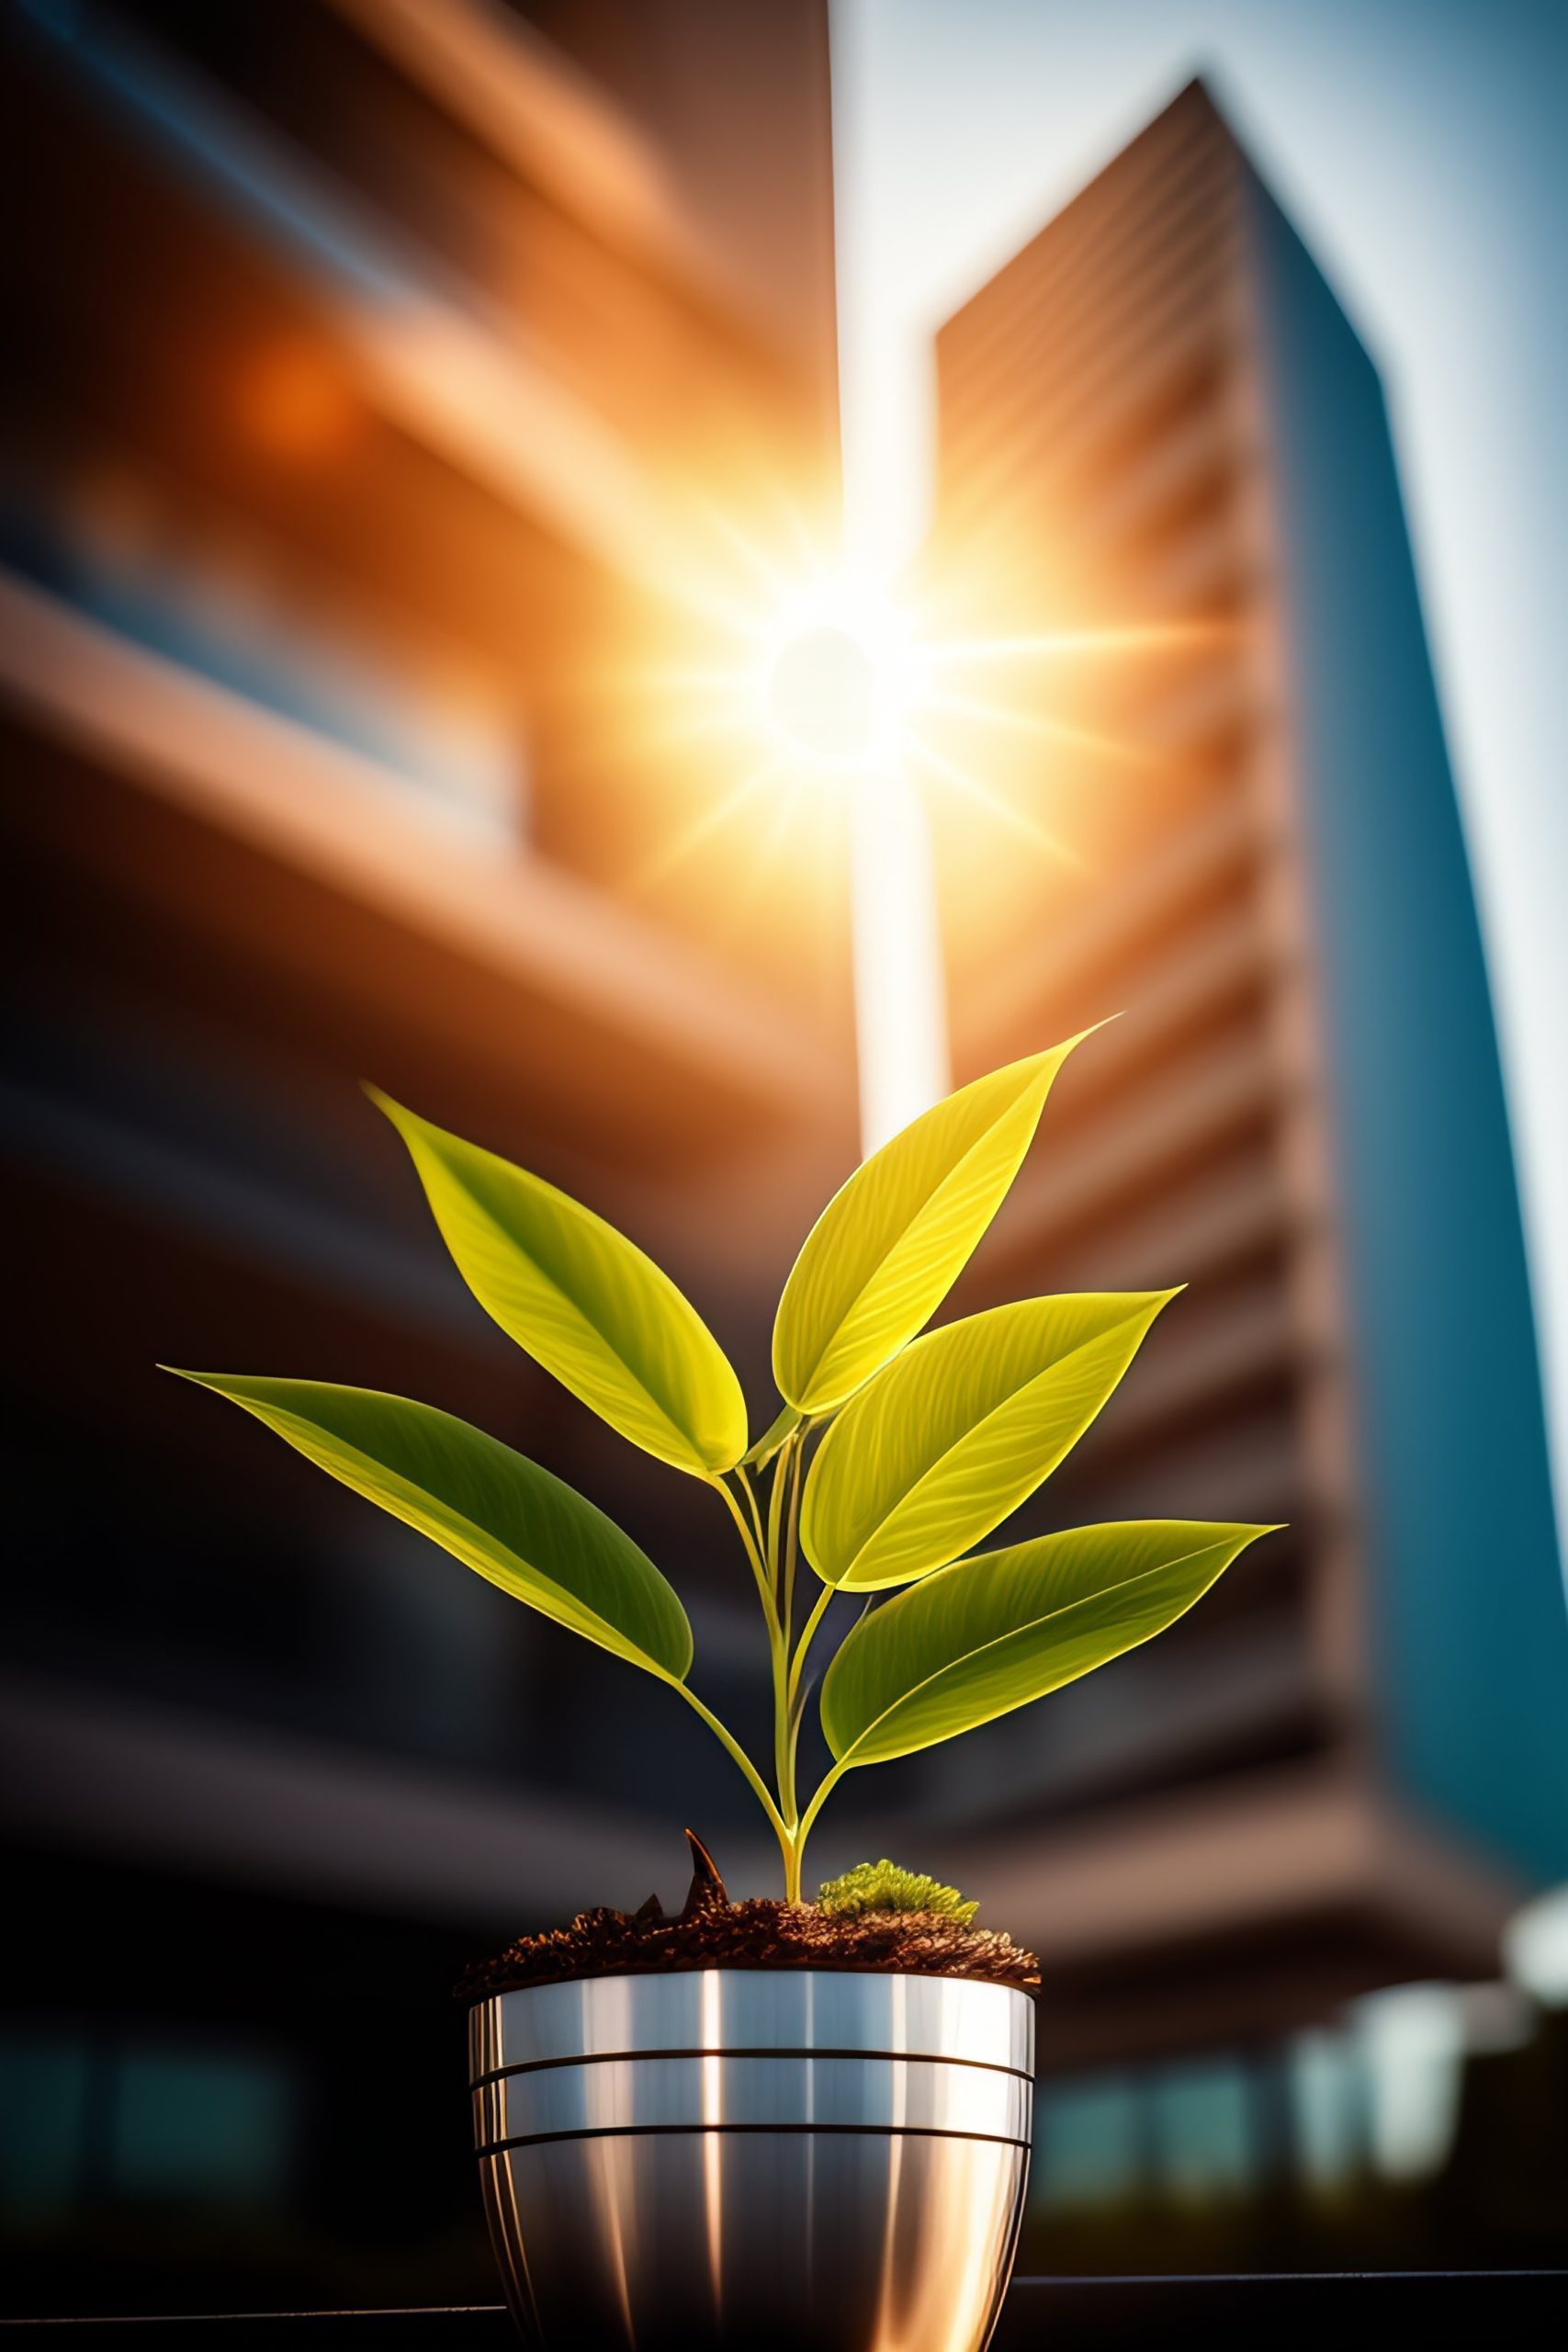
1169, 502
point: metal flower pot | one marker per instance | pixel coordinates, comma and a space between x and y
754, 2158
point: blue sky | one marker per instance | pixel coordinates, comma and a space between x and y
1421, 147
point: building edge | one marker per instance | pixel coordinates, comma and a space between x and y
1463, 1594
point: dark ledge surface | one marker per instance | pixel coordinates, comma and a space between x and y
1283, 2311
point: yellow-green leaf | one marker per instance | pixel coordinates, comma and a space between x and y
937, 1450
990, 1633
493, 1509
892, 1240
583, 1300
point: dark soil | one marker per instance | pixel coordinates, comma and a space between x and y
713, 1932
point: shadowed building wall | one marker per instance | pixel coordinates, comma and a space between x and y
382, 371
1467, 1659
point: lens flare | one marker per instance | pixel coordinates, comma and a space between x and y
838, 740
840, 674
790, 679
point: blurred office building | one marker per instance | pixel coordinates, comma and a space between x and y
392, 380
408, 390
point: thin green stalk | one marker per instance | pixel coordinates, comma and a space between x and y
784, 1747
758, 1571
775, 1510
796, 1718
749, 1491
807, 1632
778, 1637
825, 1788
759, 1786
773, 1553
794, 1850
792, 1538
763, 1569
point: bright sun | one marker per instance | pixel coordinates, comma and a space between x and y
822, 693
839, 676
812, 682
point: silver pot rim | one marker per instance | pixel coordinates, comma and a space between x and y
753, 2012
754, 1968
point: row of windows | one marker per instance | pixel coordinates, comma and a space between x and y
120, 547
1376, 2096
92, 2121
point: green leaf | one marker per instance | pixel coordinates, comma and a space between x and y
583, 1300
990, 1633
491, 1508
891, 1243
954, 1435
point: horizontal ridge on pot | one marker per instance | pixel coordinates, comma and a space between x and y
754, 2157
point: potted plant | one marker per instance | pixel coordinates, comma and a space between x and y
779, 2121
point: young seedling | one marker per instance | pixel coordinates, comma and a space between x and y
890, 1455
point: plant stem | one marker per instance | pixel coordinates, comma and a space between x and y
759, 1786
792, 1537
775, 1506
793, 1844
784, 1748
758, 1571
824, 1791
749, 1491
773, 1553
807, 1632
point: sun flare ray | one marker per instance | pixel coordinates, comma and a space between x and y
1041, 725
685, 844
1016, 820
1149, 637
